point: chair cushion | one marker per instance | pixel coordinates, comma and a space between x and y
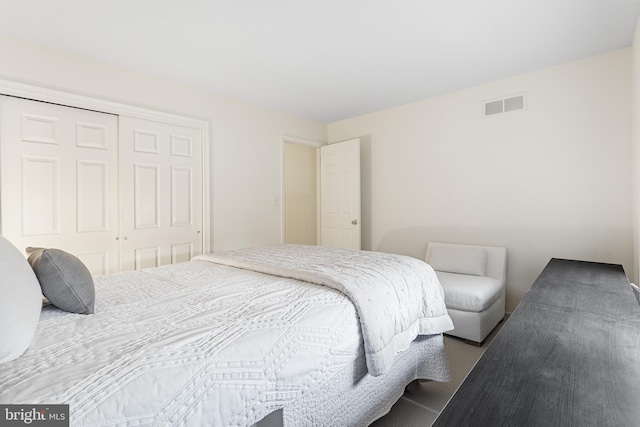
457, 259
469, 293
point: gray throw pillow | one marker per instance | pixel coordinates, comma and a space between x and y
20, 302
64, 279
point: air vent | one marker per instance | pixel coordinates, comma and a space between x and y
493, 107
504, 105
514, 104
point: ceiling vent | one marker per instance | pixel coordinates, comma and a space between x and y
504, 105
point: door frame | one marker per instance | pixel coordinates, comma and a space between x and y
284, 139
39, 93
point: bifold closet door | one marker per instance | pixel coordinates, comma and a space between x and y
59, 180
160, 193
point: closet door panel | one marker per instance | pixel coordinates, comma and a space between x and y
181, 197
92, 195
59, 182
161, 193
40, 195
181, 252
146, 185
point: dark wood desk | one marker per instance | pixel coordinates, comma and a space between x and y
569, 355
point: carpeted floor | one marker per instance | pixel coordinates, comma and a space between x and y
423, 401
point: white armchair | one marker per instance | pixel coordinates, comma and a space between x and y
473, 279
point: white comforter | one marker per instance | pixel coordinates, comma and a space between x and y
191, 344
397, 297
199, 344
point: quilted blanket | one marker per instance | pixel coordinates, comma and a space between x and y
397, 297
189, 344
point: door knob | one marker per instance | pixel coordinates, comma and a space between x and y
354, 222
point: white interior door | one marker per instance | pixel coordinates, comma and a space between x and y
60, 180
161, 193
340, 194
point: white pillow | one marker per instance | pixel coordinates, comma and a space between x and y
458, 259
20, 302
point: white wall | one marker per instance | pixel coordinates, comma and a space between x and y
300, 194
551, 181
636, 152
245, 139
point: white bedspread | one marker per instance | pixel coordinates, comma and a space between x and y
191, 344
199, 344
397, 297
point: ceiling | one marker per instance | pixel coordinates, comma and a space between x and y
327, 60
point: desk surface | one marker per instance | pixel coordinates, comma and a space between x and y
569, 355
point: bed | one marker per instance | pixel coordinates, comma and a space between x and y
287, 335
